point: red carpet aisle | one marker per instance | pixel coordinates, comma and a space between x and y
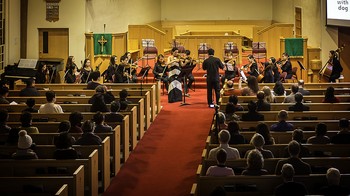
165, 161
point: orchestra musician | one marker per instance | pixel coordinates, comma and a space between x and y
73, 75
268, 75
86, 71
336, 66
186, 62
286, 66
121, 75
112, 67
174, 66
275, 70
131, 68
160, 71
229, 68
42, 75
253, 66
70, 63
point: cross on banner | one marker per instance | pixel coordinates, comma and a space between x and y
102, 41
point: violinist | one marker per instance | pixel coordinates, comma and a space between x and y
175, 88
131, 67
70, 63
160, 71
268, 75
72, 75
336, 66
86, 71
230, 68
42, 74
253, 66
286, 66
112, 67
120, 75
275, 70
188, 62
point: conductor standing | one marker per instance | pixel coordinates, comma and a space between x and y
212, 65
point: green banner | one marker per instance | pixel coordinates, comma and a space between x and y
294, 46
102, 44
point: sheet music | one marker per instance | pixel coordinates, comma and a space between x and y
147, 42
27, 63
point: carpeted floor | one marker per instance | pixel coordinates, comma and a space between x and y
165, 160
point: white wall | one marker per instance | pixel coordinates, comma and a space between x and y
72, 16
182, 10
117, 15
12, 32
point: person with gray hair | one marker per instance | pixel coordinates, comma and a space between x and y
224, 138
333, 187
289, 187
258, 142
220, 169
301, 88
300, 167
282, 125
255, 164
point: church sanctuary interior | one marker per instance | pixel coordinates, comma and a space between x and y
174, 97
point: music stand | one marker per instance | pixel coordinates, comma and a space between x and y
147, 43
301, 69
185, 71
143, 72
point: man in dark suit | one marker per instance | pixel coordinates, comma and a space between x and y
29, 90
301, 88
262, 105
252, 114
299, 106
212, 65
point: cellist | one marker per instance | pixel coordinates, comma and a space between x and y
336, 66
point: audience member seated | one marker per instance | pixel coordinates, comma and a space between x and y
218, 125
264, 130
30, 89
291, 97
30, 106
269, 97
236, 137
333, 187
123, 99
278, 89
234, 99
100, 99
114, 115
289, 187
88, 137
282, 125
24, 150
230, 90
12, 138
75, 119
299, 106
258, 142
220, 169
301, 88
95, 76
255, 164
252, 114
224, 138
343, 136
64, 149
261, 104
230, 113
320, 137
4, 116
64, 126
329, 96
4, 92
298, 136
50, 107
26, 123
300, 167
252, 87
218, 191
100, 126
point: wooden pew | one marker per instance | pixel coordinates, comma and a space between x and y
14, 168
47, 151
341, 163
261, 185
306, 85
279, 99
63, 191
335, 150
313, 106
75, 183
53, 127
313, 91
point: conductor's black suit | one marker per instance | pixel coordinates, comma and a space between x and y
212, 65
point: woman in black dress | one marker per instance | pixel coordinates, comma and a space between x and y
42, 74
336, 66
86, 71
